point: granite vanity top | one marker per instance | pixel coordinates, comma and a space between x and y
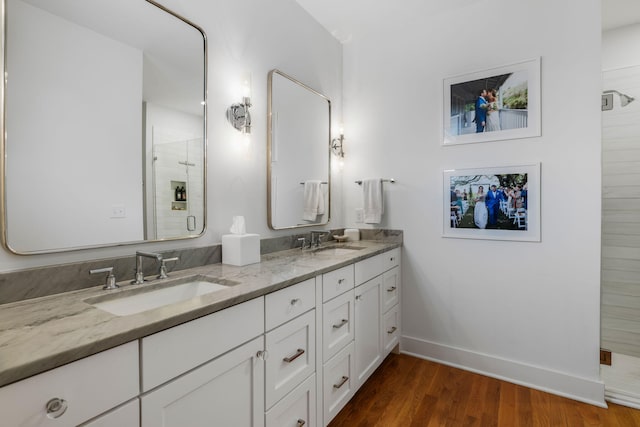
43, 333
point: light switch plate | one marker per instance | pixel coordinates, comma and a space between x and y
359, 215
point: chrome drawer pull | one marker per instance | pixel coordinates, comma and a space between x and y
341, 324
299, 353
301, 423
341, 383
391, 289
56, 407
392, 259
392, 330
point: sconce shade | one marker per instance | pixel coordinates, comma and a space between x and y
239, 116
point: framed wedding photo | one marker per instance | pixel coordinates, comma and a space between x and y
494, 203
491, 105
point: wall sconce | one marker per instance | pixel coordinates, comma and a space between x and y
238, 114
337, 145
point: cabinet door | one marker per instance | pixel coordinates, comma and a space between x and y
291, 350
228, 391
368, 351
338, 327
127, 415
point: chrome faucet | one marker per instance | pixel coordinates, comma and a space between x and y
139, 278
318, 237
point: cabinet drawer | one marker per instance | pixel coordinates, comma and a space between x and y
390, 289
338, 327
371, 267
296, 409
89, 387
291, 350
336, 282
285, 304
391, 330
338, 382
169, 353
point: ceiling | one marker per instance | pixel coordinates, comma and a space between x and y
618, 13
343, 18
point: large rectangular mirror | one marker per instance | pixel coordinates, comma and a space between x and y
298, 154
104, 125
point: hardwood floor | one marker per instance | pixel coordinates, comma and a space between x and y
407, 391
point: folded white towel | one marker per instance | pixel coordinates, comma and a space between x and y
313, 200
373, 202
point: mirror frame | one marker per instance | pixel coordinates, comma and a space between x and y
270, 144
3, 141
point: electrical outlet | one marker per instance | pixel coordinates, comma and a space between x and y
118, 211
360, 215
605, 357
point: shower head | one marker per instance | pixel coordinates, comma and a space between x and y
624, 99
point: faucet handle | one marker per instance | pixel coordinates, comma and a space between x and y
110, 281
163, 267
303, 240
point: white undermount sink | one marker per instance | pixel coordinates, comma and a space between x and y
136, 301
338, 250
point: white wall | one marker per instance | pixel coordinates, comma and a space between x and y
528, 312
244, 36
620, 47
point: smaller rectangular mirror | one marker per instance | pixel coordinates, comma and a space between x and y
298, 154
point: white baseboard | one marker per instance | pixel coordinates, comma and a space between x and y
559, 383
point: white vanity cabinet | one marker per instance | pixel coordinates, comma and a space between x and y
74, 393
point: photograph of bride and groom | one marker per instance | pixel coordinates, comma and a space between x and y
490, 104
496, 202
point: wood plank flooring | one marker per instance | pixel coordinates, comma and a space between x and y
407, 391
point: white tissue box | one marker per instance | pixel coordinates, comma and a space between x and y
240, 249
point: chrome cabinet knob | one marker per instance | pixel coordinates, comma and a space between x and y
56, 407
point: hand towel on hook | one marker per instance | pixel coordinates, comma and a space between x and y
313, 200
373, 202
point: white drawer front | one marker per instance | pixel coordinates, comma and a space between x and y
337, 282
371, 267
288, 303
169, 353
338, 326
296, 409
291, 350
127, 415
338, 382
391, 330
89, 387
390, 289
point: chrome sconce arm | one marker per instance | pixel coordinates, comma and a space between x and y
337, 146
239, 115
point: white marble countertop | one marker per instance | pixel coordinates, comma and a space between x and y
43, 333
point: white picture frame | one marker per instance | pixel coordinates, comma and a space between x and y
518, 217
516, 112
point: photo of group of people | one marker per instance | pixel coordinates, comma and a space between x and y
497, 202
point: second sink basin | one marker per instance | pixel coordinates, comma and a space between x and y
338, 250
135, 301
